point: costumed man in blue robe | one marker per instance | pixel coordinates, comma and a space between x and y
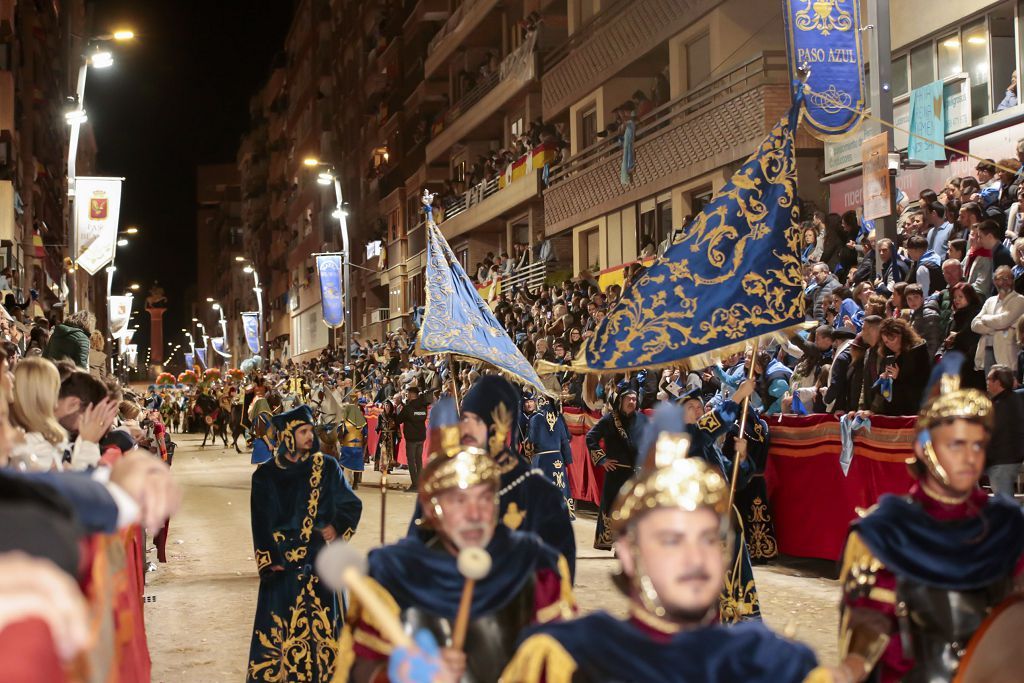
739, 596
419, 579
548, 447
300, 502
523, 424
263, 439
672, 532
528, 501
921, 572
612, 443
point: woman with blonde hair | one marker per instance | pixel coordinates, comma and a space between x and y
97, 355
36, 390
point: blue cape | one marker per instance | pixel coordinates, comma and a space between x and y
426, 576
609, 649
963, 554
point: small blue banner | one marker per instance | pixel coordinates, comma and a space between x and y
328, 267
218, 346
927, 123
251, 325
201, 354
190, 361
824, 36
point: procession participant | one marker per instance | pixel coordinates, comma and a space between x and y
412, 416
419, 579
706, 425
672, 532
263, 439
528, 501
388, 438
300, 502
523, 423
548, 447
922, 571
352, 437
612, 443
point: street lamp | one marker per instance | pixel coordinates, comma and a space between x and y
328, 176
131, 230
223, 321
134, 286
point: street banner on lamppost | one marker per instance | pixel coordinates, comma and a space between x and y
120, 310
875, 164
218, 346
823, 36
251, 325
328, 267
97, 209
190, 361
201, 355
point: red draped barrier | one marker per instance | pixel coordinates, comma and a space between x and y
585, 480
812, 501
372, 437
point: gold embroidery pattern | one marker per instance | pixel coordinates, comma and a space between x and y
513, 517
262, 559
595, 456
604, 538
709, 422
311, 509
817, 15
658, 314
290, 644
277, 536
761, 543
738, 600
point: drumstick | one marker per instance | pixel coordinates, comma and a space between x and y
474, 564
341, 566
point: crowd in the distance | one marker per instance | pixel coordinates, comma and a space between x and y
80, 458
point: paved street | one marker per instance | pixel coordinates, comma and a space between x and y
199, 624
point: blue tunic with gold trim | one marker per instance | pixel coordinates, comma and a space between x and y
614, 438
599, 648
297, 619
549, 449
739, 596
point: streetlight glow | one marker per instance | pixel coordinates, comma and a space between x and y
247, 269
122, 242
124, 34
325, 178
311, 161
240, 259
134, 287
101, 59
216, 306
75, 116
131, 230
209, 299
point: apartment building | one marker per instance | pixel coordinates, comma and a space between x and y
40, 51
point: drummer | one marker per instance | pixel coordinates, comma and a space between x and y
921, 572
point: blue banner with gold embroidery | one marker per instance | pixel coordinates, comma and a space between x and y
731, 276
328, 266
824, 37
457, 320
251, 326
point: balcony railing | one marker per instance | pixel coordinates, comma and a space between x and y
471, 198
531, 277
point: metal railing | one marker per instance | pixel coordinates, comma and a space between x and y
471, 198
747, 76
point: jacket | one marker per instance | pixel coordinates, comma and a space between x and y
1008, 432
927, 272
914, 368
846, 377
927, 322
817, 296
69, 342
996, 324
413, 418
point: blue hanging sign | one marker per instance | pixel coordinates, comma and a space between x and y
251, 325
190, 361
201, 355
328, 267
824, 36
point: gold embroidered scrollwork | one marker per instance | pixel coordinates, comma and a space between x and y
761, 540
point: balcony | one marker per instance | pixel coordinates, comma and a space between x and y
488, 201
477, 106
455, 33
701, 130
614, 39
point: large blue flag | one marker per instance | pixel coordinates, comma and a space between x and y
731, 276
457, 320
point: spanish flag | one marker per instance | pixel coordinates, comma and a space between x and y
37, 245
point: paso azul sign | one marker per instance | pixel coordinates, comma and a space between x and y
823, 36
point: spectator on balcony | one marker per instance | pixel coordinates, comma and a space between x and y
997, 324
978, 263
960, 336
644, 105
989, 184
903, 359
924, 317
1010, 96
543, 250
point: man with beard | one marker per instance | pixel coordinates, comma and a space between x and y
672, 537
528, 501
300, 503
612, 443
922, 571
420, 581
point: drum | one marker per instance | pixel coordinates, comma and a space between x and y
993, 655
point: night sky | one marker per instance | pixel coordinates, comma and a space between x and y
176, 98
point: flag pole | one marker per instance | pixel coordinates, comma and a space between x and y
743, 428
455, 380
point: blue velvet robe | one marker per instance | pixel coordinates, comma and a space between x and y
297, 619
739, 596
602, 649
550, 451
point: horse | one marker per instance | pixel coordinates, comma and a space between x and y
213, 419
237, 428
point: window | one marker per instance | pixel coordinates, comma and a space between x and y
699, 199
588, 127
1004, 57
459, 172
590, 250
976, 64
948, 52
517, 128
900, 82
698, 61
922, 66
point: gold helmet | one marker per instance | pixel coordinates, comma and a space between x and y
946, 401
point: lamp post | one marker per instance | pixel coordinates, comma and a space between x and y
328, 176
259, 304
97, 55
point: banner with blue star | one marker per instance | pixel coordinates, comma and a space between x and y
457, 320
731, 276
